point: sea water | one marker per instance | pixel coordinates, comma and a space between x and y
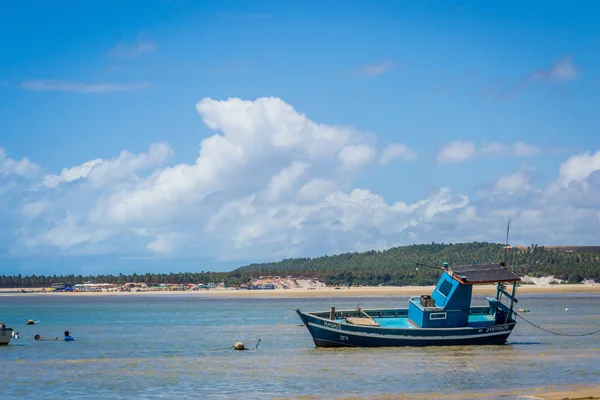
166, 346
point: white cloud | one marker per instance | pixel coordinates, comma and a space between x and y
397, 150
271, 183
513, 183
467, 216
71, 174
258, 136
518, 149
34, 209
81, 87
99, 171
376, 69
69, 232
316, 189
521, 149
579, 167
456, 152
284, 180
356, 156
164, 243
24, 167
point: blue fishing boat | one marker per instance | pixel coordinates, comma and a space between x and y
443, 318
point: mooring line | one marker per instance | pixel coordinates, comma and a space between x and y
272, 329
555, 333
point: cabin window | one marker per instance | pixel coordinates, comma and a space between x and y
445, 288
439, 315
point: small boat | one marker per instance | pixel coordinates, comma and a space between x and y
6, 334
443, 318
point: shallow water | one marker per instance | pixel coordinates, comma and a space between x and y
166, 346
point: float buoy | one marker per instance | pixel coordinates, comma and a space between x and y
30, 322
239, 346
566, 309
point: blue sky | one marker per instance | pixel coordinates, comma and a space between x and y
182, 136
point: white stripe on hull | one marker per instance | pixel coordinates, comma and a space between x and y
404, 337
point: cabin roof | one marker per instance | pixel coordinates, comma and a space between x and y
482, 273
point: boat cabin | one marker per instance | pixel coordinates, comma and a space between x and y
449, 305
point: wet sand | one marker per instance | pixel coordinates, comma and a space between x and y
323, 292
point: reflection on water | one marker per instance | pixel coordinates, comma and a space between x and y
153, 347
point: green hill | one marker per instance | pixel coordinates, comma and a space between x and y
396, 266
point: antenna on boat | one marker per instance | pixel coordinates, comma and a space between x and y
506, 245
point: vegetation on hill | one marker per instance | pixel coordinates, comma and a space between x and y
396, 266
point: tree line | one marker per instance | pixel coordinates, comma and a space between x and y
396, 266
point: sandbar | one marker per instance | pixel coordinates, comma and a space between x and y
365, 291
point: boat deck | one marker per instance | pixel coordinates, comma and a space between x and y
475, 321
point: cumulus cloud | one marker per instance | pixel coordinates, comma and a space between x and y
294, 227
164, 243
579, 167
68, 232
99, 171
23, 167
456, 152
284, 180
518, 181
356, 156
271, 183
397, 151
256, 139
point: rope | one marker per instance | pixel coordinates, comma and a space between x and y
556, 333
428, 266
272, 329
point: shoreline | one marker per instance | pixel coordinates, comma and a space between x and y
367, 291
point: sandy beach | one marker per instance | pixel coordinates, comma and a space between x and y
319, 292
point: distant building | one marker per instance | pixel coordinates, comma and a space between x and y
62, 287
267, 286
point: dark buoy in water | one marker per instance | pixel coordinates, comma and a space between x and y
30, 322
239, 346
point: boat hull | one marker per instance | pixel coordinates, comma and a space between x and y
327, 333
5, 335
